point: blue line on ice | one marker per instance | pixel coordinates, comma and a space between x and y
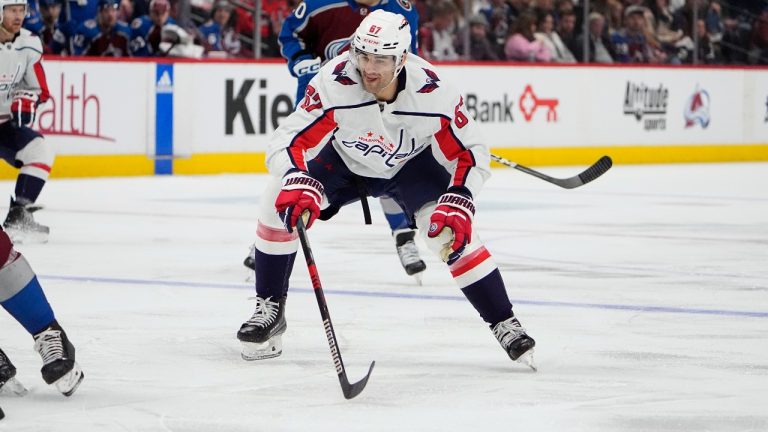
634, 308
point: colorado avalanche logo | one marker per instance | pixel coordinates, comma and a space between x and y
432, 81
337, 47
341, 74
697, 109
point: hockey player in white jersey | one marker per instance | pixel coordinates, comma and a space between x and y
22, 85
383, 119
22, 88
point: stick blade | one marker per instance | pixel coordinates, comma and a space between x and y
596, 170
352, 390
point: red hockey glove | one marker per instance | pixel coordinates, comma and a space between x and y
300, 193
23, 106
455, 211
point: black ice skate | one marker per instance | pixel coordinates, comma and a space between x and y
409, 253
58, 354
515, 341
8, 381
261, 334
21, 226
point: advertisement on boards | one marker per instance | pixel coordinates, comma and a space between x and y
230, 107
97, 108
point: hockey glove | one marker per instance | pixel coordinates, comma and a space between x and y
300, 193
23, 105
455, 211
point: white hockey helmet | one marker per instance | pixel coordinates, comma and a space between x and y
382, 33
4, 3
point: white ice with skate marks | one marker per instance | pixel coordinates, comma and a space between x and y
646, 292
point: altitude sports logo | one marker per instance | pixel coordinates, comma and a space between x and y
647, 104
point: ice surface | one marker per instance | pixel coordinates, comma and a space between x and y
646, 291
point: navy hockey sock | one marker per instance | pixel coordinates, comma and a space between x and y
30, 307
28, 188
489, 297
272, 273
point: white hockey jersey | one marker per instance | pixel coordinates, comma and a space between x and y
427, 115
21, 69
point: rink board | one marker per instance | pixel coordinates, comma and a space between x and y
109, 118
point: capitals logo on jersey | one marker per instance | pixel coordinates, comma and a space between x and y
432, 81
697, 109
341, 74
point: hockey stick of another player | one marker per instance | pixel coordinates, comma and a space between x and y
596, 170
349, 390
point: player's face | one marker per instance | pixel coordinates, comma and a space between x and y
377, 71
108, 16
13, 17
51, 13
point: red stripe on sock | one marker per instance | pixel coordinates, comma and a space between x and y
41, 166
275, 235
469, 262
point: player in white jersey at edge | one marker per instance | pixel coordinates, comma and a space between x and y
22, 88
380, 116
22, 84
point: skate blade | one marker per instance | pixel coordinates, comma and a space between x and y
262, 351
417, 277
13, 387
527, 359
70, 381
27, 237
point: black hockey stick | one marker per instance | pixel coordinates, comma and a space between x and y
596, 170
2, 414
349, 390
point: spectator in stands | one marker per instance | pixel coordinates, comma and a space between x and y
218, 34
759, 41
147, 30
481, 46
663, 23
714, 22
79, 11
630, 43
707, 53
614, 17
54, 35
518, 7
103, 36
437, 40
245, 26
600, 47
735, 42
522, 45
566, 30
543, 7
546, 34
499, 15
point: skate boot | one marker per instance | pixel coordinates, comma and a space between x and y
21, 226
261, 334
515, 341
8, 381
409, 253
58, 354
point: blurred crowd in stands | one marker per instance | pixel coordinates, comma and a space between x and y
618, 31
